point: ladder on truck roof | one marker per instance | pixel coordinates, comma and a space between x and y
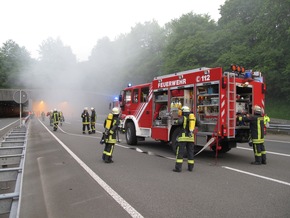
231, 105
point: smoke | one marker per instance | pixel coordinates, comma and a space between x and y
57, 81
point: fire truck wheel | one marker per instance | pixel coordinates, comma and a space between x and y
131, 137
174, 139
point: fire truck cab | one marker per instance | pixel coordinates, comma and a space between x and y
214, 96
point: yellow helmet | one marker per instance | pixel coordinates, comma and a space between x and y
115, 111
185, 109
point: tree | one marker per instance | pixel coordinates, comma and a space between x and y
55, 54
135, 57
56, 67
189, 43
256, 34
14, 61
143, 52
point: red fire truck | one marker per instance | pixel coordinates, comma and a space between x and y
214, 96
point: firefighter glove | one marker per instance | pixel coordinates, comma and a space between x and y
190, 134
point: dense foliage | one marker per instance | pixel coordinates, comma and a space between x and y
252, 33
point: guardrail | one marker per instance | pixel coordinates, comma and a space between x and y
12, 158
279, 128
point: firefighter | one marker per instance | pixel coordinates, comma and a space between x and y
185, 139
55, 118
256, 122
42, 115
50, 117
266, 123
61, 117
86, 121
266, 120
93, 120
111, 125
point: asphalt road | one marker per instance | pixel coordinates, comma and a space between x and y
64, 176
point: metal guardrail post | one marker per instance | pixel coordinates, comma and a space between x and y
279, 128
12, 153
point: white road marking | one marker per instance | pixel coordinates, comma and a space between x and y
268, 152
9, 125
43, 180
126, 206
270, 140
256, 175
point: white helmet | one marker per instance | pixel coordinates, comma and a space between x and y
115, 111
185, 109
85, 108
54, 109
257, 109
92, 108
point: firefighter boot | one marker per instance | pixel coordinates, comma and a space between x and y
264, 161
190, 167
178, 167
110, 159
258, 160
106, 158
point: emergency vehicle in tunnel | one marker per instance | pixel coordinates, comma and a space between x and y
214, 96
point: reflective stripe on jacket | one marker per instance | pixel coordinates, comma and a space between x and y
112, 137
185, 135
256, 127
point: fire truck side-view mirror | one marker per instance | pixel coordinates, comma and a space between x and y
263, 88
121, 101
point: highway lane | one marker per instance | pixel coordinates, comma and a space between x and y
225, 187
6, 124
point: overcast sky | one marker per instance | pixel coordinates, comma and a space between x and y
80, 23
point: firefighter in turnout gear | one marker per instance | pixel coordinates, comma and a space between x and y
55, 119
86, 121
61, 117
256, 122
50, 117
93, 120
185, 140
111, 125
266, 123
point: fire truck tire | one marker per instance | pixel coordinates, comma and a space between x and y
131, 137
174, 139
